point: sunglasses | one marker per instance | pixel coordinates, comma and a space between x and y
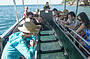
79, 19
26, 33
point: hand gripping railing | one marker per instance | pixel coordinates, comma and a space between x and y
75, 40
88, 43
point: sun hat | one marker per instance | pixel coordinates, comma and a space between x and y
29, 27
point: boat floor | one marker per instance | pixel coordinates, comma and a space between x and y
49, 47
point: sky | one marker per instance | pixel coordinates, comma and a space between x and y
28, 2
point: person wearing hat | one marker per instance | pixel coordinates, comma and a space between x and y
18, 42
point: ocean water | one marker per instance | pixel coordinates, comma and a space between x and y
8, 16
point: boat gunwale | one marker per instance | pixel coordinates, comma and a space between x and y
51, 22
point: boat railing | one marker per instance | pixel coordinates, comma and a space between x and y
88, 43
74, 38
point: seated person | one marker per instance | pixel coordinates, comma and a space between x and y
65, 14
55, 11
18, 42
37, 12
61, 16
71, 22
55, 15
85, 26
28, 18
46, 6
25, 11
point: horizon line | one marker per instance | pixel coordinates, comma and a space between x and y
32, 4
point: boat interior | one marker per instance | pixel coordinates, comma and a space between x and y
54, 41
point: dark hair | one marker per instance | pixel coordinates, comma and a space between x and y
72, 14
29, 13
55, 9
46, 2
84, 18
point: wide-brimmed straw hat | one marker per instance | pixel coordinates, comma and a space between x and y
29, 27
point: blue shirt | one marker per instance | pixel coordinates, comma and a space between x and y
87, 32
17, 47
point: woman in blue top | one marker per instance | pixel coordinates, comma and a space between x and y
85, 26
18, 42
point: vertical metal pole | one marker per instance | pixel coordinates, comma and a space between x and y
15, 10
23, 4
64, 4
37, 4
76, 6
23, 7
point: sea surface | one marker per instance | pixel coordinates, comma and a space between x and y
8, 16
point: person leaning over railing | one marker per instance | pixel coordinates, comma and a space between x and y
61, 18
65, 14
55, 14
71, 22
85, 26
21, 43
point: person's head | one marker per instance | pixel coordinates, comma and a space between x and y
61, 15
83, 18
26, 8
65, 11
55, 10
37, 10
71, 16
47, 2
29, 28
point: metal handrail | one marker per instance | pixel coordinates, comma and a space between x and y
76, 6
64, 4
80, 37
79, 42
75, 38
64, 30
